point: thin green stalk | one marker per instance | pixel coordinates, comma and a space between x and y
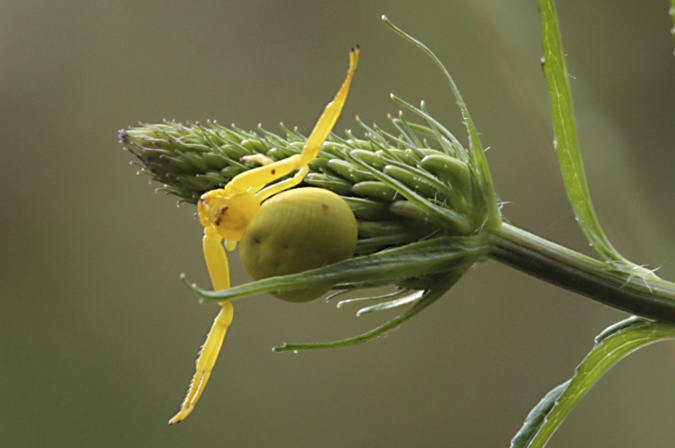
646, 296
567, 140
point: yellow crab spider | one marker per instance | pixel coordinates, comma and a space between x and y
226, 213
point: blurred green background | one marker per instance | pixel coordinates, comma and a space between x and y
98, 333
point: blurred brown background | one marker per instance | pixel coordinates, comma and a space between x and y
98, 333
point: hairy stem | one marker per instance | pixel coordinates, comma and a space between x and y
647, 296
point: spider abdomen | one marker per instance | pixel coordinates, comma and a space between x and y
295, 231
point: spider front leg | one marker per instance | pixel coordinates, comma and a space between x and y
216, 259
219, 271
206, 361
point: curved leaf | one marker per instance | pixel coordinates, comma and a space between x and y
429, 296
566, 138
612, 345
433, 256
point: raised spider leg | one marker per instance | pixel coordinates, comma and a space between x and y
330, 115
268, 173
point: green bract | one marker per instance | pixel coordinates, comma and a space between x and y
420, 199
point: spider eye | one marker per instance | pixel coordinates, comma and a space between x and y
295, 231
229, 215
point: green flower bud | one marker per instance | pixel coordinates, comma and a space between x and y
418, 202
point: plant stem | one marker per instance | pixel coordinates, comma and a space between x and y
649, 297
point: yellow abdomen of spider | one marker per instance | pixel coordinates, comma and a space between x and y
295, 231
